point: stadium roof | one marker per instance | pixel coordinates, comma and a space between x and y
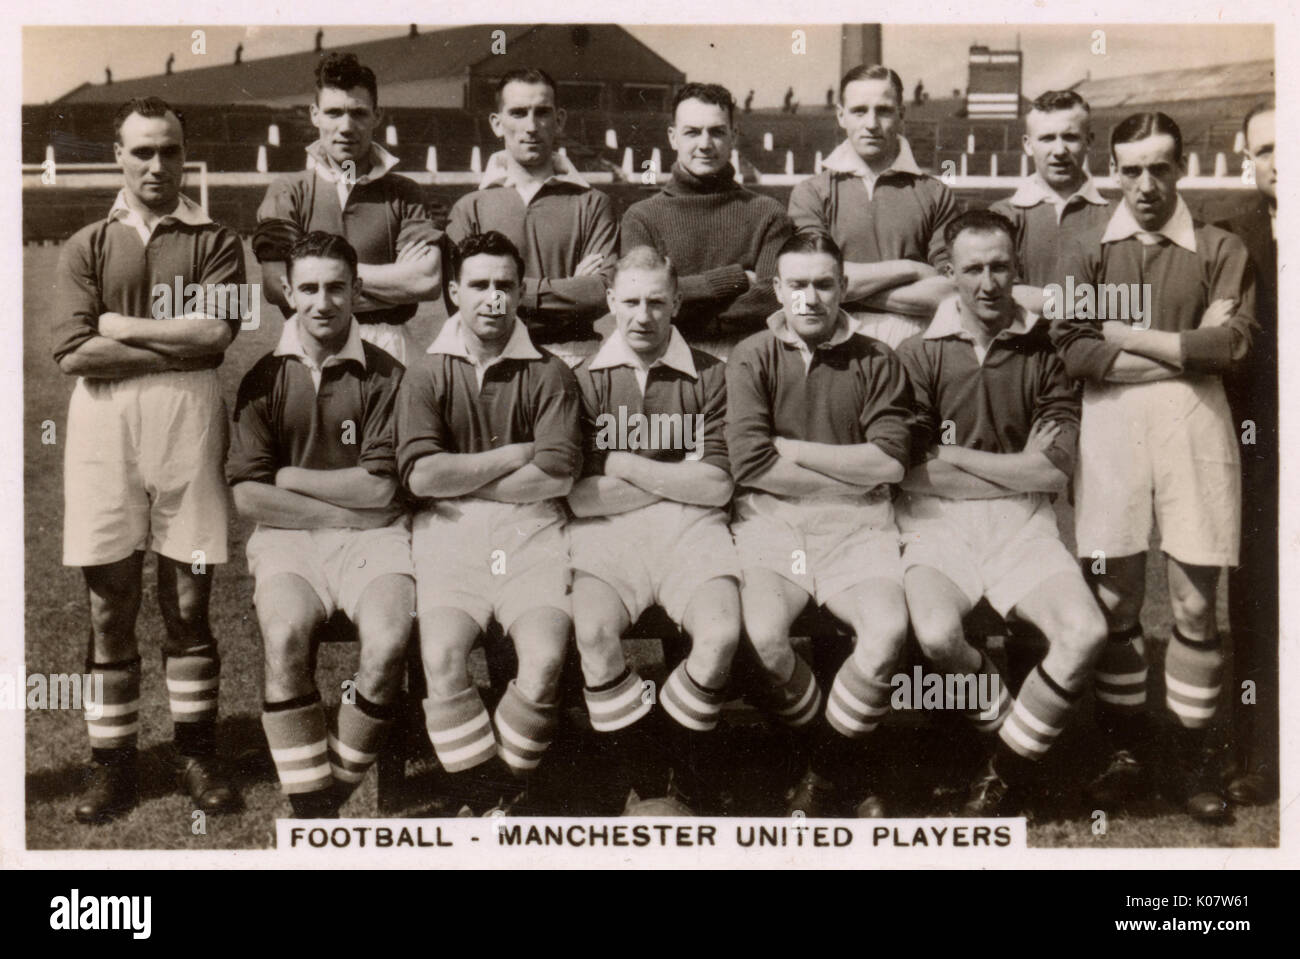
1251, 78
604, 50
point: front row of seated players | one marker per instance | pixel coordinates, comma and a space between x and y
976, 420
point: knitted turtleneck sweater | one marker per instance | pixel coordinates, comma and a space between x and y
713, 229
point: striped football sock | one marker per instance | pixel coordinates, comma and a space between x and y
295, 730
1193, 679
989, 679
1037, 716
362, 728
693, 706
618, 704
460, 729
193, 684
526, 729
857, 703
797, 701
1121, 678
113, 720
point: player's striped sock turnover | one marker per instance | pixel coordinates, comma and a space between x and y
985, 721
460, 729
797, 701
295, 730
525, 727
1037, 716
116, 723
857, 703
362, 727
1193, 679
193, 687
618, 704
1121, 678
689, 703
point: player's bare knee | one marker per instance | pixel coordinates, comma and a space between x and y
940, 635
539, 677
877, 657
596, 638
1076, 645
287, 658
714, 647
383, 655
446, 668
768, 637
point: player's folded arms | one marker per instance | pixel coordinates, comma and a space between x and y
806, 468
506, 474
283, 508
630, 481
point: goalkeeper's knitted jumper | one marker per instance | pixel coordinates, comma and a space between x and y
713, 230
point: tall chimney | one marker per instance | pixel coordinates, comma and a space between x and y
860, 45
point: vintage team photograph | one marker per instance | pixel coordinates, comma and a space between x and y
588, 422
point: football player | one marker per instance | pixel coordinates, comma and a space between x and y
1059, 199
349, 188
652, 525
996, 426
566, 231
312, 463
722, 237
881, 209
1157, 439
488, 438
142, 464
817, 430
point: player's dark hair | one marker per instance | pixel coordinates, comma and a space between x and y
343, 71
151, 107
713, 93
1056, 100
1264, 106
874, 72
1139, 126
645, 258
490, 243
811, 241
978, 221
526, 75
327, 246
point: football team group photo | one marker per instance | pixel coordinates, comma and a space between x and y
562, 421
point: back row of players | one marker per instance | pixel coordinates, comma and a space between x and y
389, 481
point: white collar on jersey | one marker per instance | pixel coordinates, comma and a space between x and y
1178, 229
616, 352
844, 159
845, 327
290, 344
381, 162
504, 170
451, 342
187, 211
949, 321
1033, 190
